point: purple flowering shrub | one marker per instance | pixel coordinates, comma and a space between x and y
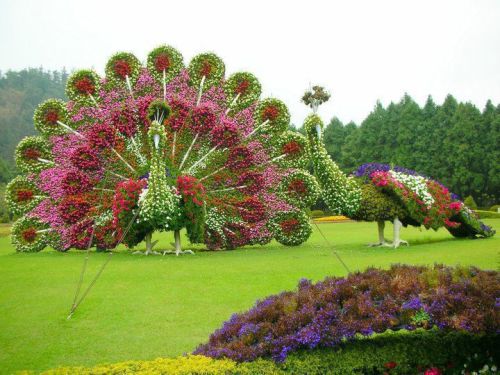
338, 309
367, 169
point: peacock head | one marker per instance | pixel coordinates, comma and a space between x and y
156, 135
313, 127
158, 112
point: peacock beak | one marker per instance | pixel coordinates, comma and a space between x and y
156, 139
318, 132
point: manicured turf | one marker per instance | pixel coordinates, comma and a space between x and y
147, 307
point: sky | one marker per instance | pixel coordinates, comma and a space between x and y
361, 51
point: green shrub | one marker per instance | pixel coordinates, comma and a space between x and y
495, 208
317, 213
488, 214
408, 351
189, 365
470, 202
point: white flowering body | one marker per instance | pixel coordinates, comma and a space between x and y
416, 184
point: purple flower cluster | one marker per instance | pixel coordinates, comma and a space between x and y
332, 311
367, 169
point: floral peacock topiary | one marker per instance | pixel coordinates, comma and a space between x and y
161, 147
379, 192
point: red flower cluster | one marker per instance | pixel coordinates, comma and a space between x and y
85, 158
242, 87
75, 182
239, 158
122, 68
190, 187
101, 136
162, 62
253, 182
455, 206
432, 371
291, 148
297, 187
29, 235
31, 153
24, 195
270, 113
225, 134
106, 236
73, 208
125, 121
206, 68
288, 226
390, 365
203, 119
85, 86
51, 117
179, 114
251, 209
80, 234
126, 197
236, 234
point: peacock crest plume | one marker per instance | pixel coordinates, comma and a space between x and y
161, 147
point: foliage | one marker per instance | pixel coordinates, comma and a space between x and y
291, 228
299, 188
487, 214
26, 235
470, 202
188, 365
22, 195
336, 310
242, 87
48, 114
495, 208
122, 66
206, 65
317, 213
164, 63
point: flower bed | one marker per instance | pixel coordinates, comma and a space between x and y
331, 312
331, 219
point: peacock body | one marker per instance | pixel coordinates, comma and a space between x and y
161, 147
379, 192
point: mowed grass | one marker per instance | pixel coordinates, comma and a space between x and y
148, 307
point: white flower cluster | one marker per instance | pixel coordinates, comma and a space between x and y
417, 184
103, 218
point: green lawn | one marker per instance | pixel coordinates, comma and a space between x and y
147, 307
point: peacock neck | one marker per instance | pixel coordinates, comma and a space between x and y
341, 193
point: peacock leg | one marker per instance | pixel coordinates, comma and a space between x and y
397, 228
381, 239
177, 245
149, 245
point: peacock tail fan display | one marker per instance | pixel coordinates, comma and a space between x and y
161, 147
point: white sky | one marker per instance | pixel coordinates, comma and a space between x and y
360, 51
